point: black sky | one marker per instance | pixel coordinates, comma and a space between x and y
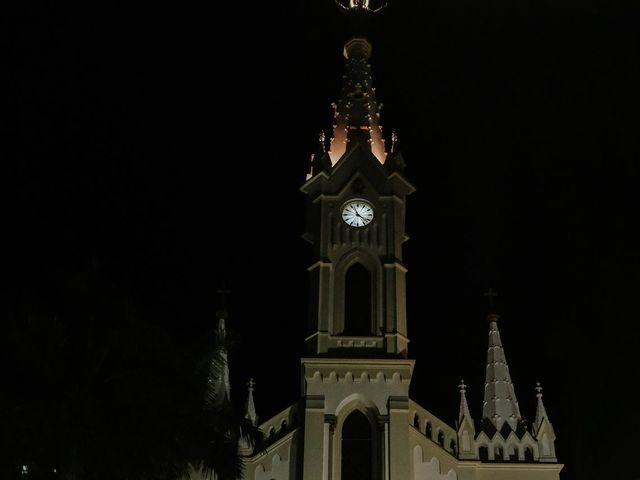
148, 141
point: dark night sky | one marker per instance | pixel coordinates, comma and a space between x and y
146, 142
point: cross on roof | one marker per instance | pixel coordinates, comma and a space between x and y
250, 384
491, 294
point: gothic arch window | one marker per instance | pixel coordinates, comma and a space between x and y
441, 438
483, 453
452, 446
428, 430
513, 453
357, 447
528, 454
272, 435
357, 301
498, 454
416, 421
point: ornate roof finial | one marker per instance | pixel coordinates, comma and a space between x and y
464, 406
321, 139
462, 387
394, 141
541, 412
250, 408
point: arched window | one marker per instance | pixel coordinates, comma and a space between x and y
498, 454
452, 446
441, 438
357, 302
357, 457
483, 453
528, 454
513, 453
428, 431
416, 421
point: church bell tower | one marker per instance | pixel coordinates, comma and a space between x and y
356, 194
354, 418
356, 375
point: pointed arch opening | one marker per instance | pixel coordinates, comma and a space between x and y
514, 453
357, 447
416, 421
358, 301
483, 453
528, 454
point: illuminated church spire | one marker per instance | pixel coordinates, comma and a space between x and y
500, 404
357, 113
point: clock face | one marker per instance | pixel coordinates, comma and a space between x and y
357, 213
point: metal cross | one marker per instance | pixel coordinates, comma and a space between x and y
491, 294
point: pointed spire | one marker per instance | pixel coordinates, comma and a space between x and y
249, 407
357, 113
320, 160
464, 407
500, 404
395, 161
541, 413
219, 375
543, 431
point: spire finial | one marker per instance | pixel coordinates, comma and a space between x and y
250, 408
394, 140
541, 412
463, 412
462, 387
491, 294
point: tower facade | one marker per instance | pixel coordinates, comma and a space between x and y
354, 419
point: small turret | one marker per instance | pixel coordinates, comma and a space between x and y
466, 429
320, 160
543, 430
249, 406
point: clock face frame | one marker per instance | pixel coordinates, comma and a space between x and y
357, 213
